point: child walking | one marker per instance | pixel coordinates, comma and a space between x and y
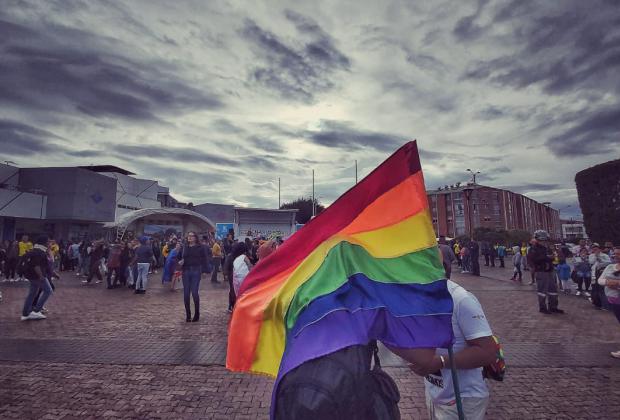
563, 270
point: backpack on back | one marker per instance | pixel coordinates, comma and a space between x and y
24, 264
340, 385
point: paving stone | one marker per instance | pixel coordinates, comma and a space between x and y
112, 354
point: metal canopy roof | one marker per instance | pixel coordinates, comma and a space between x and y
130, 217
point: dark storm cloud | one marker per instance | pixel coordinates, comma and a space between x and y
56, 68
599, 133
265, 162
225, 126
266, 144
531, 187
466, 28
18, 139
296, 71
174, 155
342, 135
570, 47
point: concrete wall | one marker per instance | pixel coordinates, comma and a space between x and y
14, 203
133, 193
73, 193
217, 213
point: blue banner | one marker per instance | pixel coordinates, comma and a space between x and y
222, 229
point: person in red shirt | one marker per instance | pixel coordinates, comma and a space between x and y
114, 265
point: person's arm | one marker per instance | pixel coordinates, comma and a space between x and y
248, 262
481, 348
423, 359
605, 280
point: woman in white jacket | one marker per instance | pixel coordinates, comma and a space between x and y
610, 279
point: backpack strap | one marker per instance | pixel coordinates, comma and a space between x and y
375, 352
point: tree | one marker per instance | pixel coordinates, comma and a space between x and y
517, 236
304, 205
489, 235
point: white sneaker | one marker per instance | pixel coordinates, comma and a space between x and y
36, 315
84, 281
577, 293
615, 354
586, 294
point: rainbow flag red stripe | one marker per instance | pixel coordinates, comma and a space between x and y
367, 268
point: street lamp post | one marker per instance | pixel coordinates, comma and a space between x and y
473, 174
468, 192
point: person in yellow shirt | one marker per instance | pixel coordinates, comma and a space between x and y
24, 246
457, 252
217, 259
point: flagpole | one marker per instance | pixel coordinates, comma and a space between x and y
455, 382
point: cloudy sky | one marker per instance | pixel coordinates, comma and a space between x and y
217, 99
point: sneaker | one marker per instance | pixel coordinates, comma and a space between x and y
586, 294
33, 316
84, 281
98, 281
544, 311
615, 354
557, 311
577, 293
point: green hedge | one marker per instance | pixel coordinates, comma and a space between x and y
598, 189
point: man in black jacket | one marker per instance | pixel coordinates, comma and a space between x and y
546, 285
38, 273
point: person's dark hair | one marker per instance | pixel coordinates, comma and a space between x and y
42, 240
238, 249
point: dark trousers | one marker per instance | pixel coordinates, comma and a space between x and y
191, 284
216, 268
94, 271
598, 295
122, 277
46, 291
547, 290
582, 281
501, 262
492, 260
9, 268
232, 297
517, 272
117, 276
486, 260
475, 266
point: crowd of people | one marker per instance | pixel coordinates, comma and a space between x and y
129, 263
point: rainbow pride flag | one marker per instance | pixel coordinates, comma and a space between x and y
366, 268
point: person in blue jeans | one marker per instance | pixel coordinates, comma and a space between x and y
144, 258
193, 258
37, 272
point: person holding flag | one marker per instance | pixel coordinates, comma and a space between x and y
366, 269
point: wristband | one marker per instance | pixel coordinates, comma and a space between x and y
443, 362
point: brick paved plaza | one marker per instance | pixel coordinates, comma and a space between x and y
113, 354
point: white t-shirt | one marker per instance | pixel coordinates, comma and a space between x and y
468, 323
240, 271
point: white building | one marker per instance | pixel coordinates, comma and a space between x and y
573, 229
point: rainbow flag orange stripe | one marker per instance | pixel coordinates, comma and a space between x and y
370, 260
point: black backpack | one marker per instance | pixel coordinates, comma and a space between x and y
24, 264
339, 386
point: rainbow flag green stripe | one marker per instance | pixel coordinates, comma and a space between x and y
346, 259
